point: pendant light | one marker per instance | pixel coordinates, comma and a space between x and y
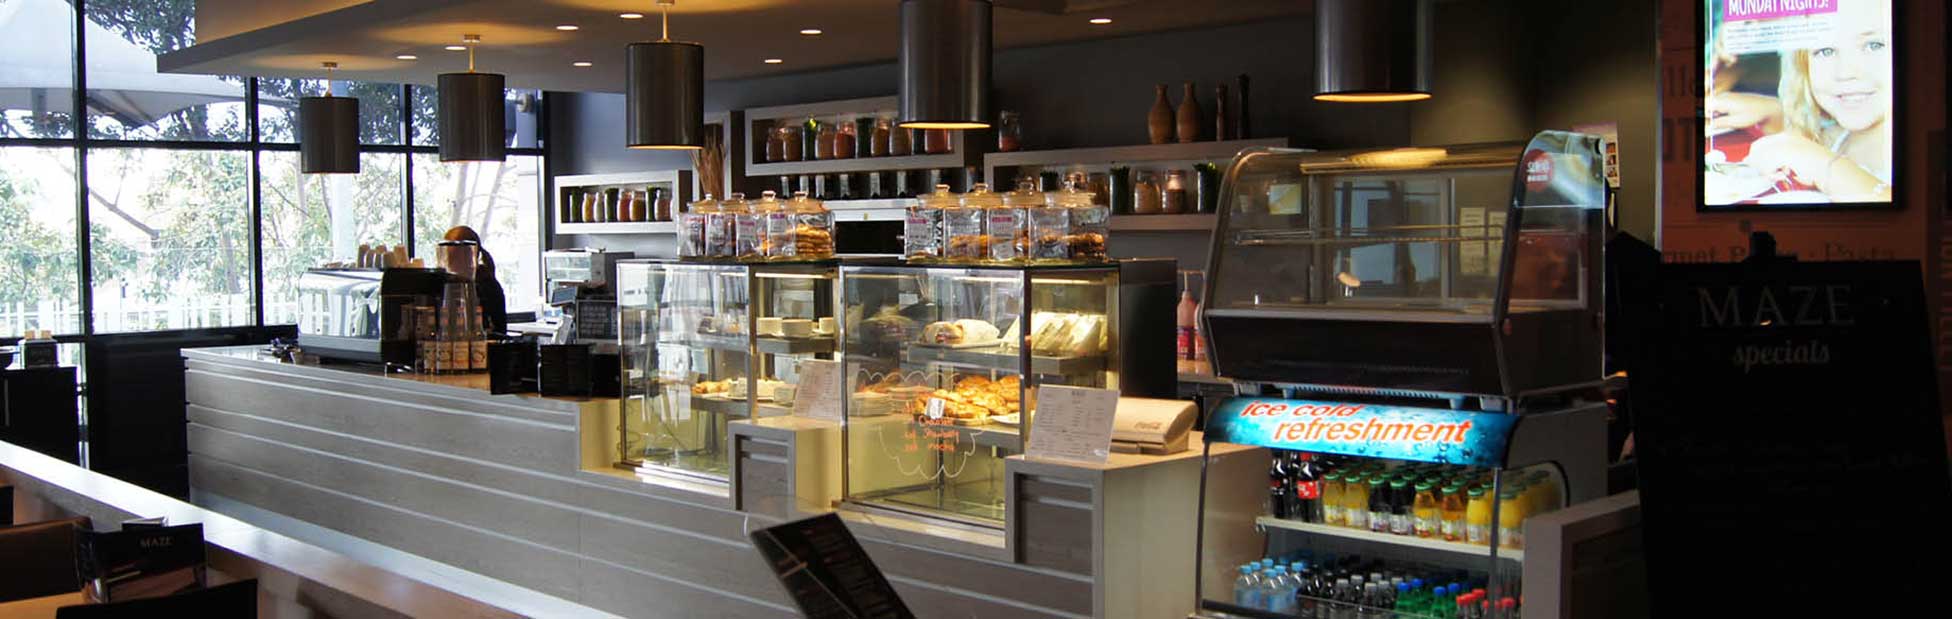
1372, 51
473, 116
328, 132
945, 64
664, 92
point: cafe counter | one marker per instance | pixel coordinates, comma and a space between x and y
525, 489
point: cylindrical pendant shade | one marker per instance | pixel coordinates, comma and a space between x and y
1370, 51
664, 88
328, 135
473, 117
945, 64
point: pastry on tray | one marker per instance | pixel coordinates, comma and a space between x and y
960, 332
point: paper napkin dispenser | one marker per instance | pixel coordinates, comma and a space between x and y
1152, 426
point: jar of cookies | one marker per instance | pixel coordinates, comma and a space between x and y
812, 234
1090, 224
692, 241
722, 227
1050, 226
770, 226
1009, 224
964, 226
921, 230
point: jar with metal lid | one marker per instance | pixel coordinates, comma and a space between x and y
1050, 224
692, 241
757, 240
811, 232
1009, 224
722, 227
1090, 223
921, 231
964, 228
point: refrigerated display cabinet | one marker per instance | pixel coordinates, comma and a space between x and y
706, 344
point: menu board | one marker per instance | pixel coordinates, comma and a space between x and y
1367, 430
827, 573
1073, 423
1800, 104
1788, 418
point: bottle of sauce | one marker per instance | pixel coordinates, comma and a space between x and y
1427, 512
1187, 321
1477, 518
1451, 509
1511, 519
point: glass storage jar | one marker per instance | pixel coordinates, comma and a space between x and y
1173, 194
791, 141
884, 130
921, 231
937, 141
1050, 225
722, 227
963, 227
901, 142
811, 232
1147, 194
767, 219
844, 138
1090, 224
1009, 224
692, 241
775, 145
1009, 132
823, 140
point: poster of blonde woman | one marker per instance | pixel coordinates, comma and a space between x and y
1800, 104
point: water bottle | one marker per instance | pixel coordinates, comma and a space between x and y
1286, 586
1247, 587
1270, 589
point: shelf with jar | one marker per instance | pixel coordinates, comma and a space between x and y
625, 203
1177, 183
850, 136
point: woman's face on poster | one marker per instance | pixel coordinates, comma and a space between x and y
1850, 73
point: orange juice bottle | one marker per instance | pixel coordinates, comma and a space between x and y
1425, 511
1477, 518
1451, 510
1511, 519
1332, 498
1549, 496
1355, 501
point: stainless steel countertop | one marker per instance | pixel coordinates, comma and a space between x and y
473, 386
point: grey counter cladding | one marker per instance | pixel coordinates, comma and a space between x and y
1503, 70
497, 494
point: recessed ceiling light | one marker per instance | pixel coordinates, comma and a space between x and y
1100, 21
582, 63
632, 15
566, 27
407, 57
812, 32
456, 48
774, 61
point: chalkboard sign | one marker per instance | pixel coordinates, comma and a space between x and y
826, 572
1790, 442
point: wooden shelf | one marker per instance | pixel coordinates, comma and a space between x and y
1201, 222
964, 148
1459, 548
634, 227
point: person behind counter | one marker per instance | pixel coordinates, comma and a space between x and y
488, 290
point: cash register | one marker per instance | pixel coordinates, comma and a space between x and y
583, 305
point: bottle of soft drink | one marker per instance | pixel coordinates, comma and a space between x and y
1343, 597
1247, 588
1308, 489
1403, 601
1280, 475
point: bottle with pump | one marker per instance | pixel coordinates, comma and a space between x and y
1187, 322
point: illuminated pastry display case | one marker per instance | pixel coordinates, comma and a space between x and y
942, 366
707, 344
1460, 270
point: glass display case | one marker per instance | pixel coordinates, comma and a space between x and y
706, 344
1457, 270
942, 367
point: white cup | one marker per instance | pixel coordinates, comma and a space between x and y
826, 325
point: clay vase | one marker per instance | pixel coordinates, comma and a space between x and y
1221, 124
1159, 123
1189, 116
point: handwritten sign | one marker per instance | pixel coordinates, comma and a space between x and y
1368, 430
1073, 423
818, 394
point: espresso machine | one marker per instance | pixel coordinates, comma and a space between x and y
367, 315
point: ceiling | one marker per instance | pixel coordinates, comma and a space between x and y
520, 38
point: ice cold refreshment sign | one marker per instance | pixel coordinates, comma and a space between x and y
1368, 430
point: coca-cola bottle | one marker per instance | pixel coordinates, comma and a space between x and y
1308, 489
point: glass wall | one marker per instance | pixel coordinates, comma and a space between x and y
195, 215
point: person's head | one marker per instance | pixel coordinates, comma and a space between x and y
464, 233
1844, 79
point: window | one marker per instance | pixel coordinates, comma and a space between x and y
128, 99
173, 249
524, 114
311, 219
38, 272
379, 108
500, 201
37, 64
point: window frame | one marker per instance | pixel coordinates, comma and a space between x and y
81, 143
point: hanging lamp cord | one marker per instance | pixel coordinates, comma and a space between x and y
329, 68
664, 10
471, 40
